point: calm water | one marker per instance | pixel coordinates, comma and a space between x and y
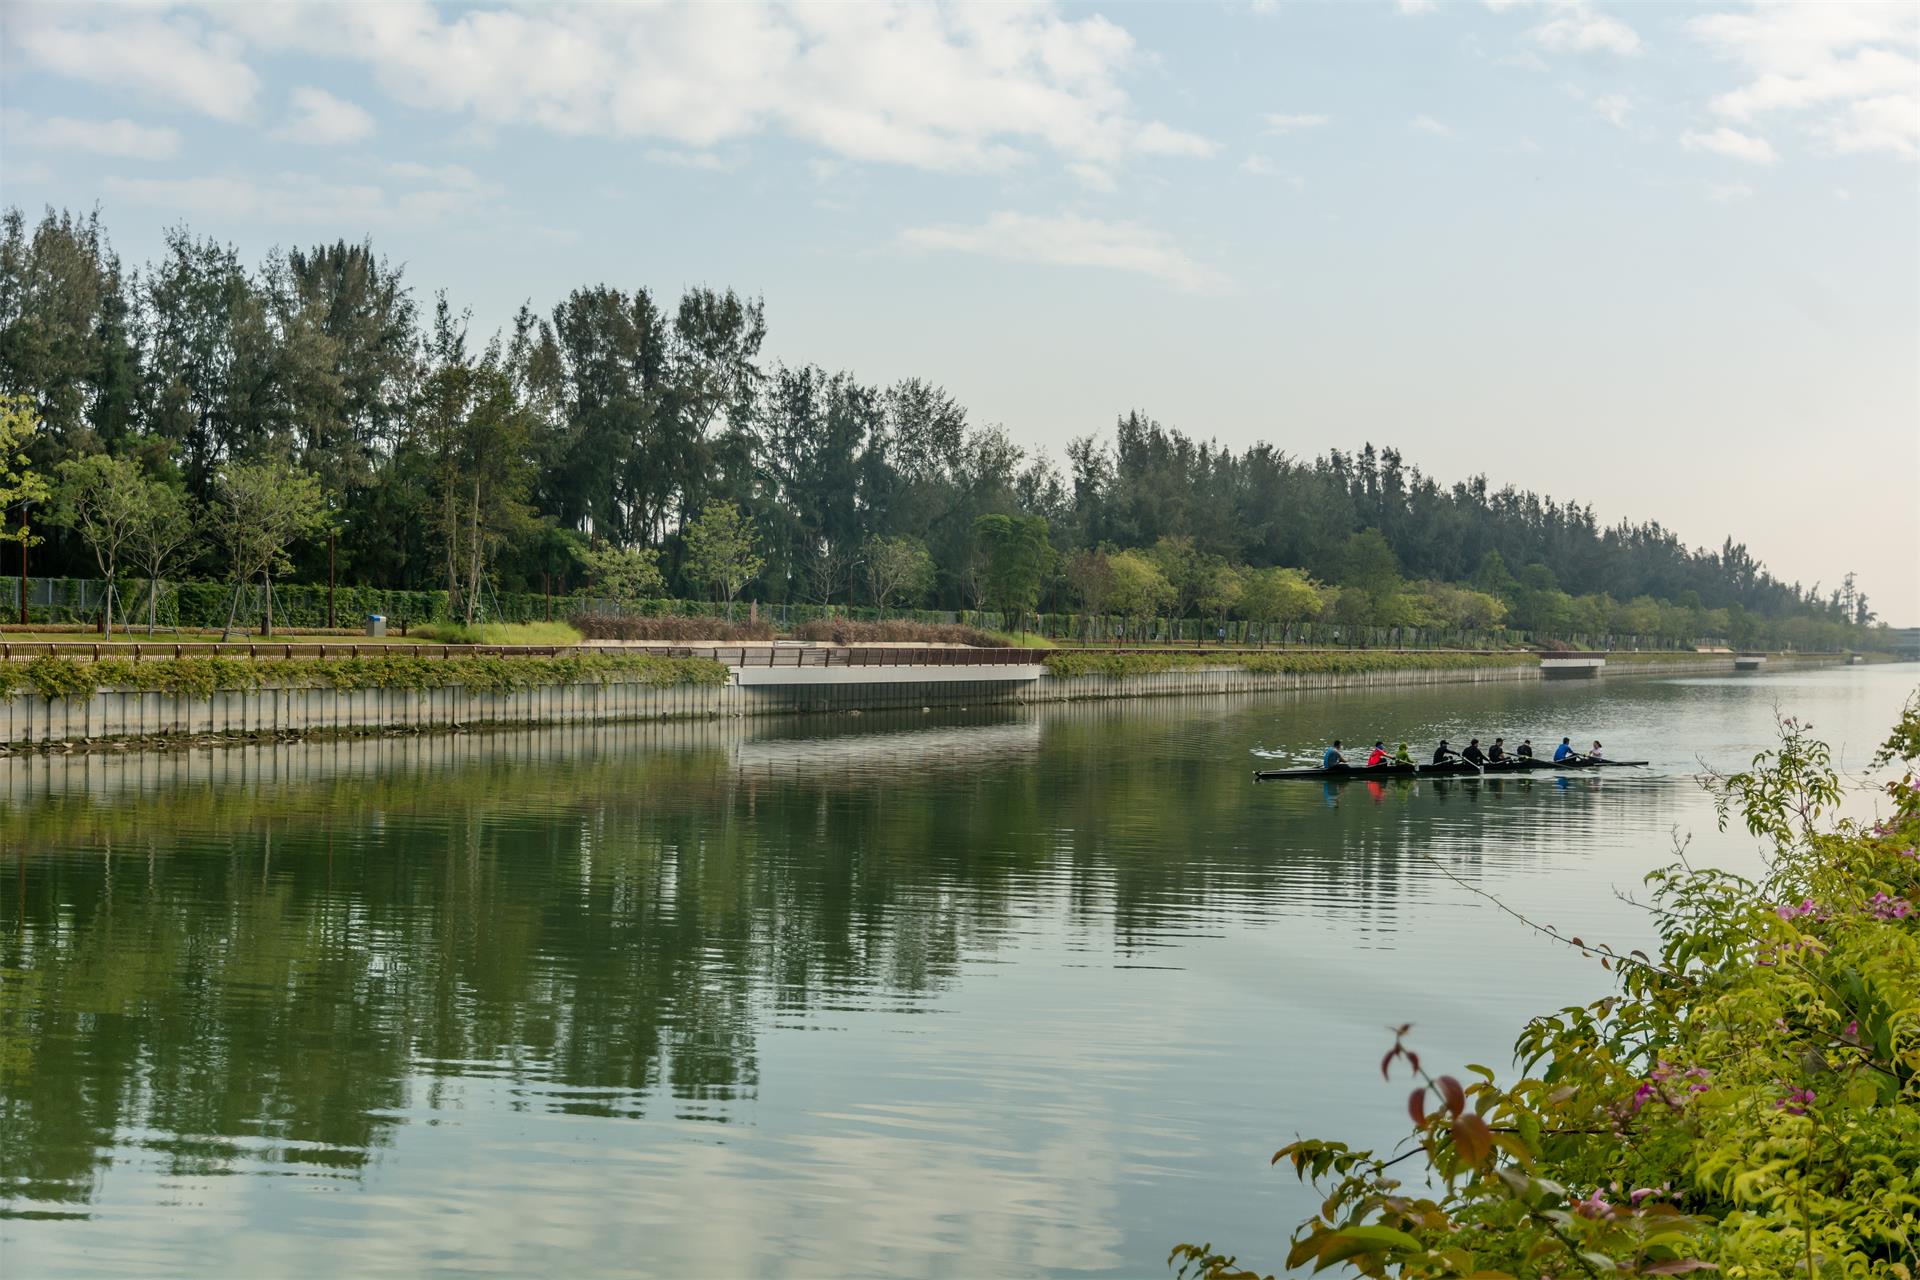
1002, 993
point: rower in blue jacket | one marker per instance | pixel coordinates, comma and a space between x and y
1564, 751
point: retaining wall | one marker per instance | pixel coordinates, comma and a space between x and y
27, 718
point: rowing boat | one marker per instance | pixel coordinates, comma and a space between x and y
1446, 769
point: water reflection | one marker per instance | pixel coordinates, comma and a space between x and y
808, 970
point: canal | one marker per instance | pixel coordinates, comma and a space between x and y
1008, 992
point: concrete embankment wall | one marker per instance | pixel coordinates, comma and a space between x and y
27, 718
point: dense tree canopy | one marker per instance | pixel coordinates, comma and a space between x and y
613, 419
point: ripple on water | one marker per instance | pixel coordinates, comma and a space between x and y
1014, 991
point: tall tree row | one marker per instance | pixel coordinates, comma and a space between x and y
589, 439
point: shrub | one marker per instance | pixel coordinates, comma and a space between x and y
597, 626
397, 669
1748, 1102
545, 633
1070, 662
847, 631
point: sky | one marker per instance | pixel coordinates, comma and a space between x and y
1660, 258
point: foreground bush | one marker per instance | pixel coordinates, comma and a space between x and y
596, 626
846, 631
1747, 1102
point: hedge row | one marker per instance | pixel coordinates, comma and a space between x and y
201, 677
896, 631
1076, 663
614, 626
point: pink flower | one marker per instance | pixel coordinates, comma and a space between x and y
1789, 912
1883, 907
1797, 1102
1641, 1193
1594, 1206
1853, 1030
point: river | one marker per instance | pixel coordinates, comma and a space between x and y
1002, 992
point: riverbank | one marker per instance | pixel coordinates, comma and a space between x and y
53, 703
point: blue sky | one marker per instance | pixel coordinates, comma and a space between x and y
1662, 258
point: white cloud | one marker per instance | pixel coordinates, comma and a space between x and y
703, 160
123, 138
1427, 124
174, 60
1260, 166
1732, 144
959, 87
423, 194
323, 120
1613, 108
1576, 28
1094, 177
1525, 60
1413, 8
1070, 240
1278, 122
1890, 122
1850, 66
454, 177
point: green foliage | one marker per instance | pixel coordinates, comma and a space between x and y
723, 552
1019, 558
103, 499
199, 677
1368, 562
19, 482
624, 574
472, 430
1279, 597
1748, 1102
262, 509
163, 536
477, 472
1078, 662
897, 569
1137, 589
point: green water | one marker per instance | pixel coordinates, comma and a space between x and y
1001, 993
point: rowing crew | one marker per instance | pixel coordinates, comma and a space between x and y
1335, 758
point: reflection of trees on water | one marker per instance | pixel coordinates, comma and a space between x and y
280, 970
